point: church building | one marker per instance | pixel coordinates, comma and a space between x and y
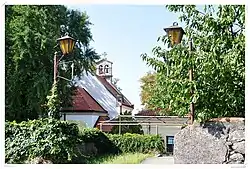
97, 98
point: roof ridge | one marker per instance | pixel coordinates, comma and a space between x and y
114, 88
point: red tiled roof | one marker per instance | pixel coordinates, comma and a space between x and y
112, 89
149, 112
146, 113
83, 101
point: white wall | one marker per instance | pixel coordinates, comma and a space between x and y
124, 109
90, 120
162, 130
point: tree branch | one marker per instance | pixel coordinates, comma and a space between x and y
231, 28
201, 13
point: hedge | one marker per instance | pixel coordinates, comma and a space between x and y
58, 141
127, 143
51, 139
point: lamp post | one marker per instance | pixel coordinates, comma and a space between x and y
120, 100
67, 44
175, 34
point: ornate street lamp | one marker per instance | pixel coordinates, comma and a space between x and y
175, 33
67, 44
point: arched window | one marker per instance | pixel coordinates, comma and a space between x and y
100, 69
106, 68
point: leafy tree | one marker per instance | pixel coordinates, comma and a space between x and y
218, 61
147, 84
31, 33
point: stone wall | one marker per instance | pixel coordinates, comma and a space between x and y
215, 142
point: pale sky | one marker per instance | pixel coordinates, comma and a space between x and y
124, 32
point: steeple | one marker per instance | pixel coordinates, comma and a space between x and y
104, 68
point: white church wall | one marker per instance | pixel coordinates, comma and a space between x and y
89, 120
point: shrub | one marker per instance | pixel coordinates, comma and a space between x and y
101, 141
81, 125
47, 138
62, 142
126, 143
137, 143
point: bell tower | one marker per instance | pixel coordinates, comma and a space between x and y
104, 68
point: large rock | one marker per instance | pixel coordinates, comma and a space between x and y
215, 142
195, 145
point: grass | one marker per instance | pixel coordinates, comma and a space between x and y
127, 158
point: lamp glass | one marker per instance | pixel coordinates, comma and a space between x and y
66, 44
176, 36
175, 33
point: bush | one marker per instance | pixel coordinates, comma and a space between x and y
81, 125
101, 141
62, 142
47, 138
137, 143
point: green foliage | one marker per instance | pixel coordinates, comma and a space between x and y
31, 33
137, 143
125, 143
81, 125
218, 61
53, 103
137, 129
47, 138
101, 141
59, 142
